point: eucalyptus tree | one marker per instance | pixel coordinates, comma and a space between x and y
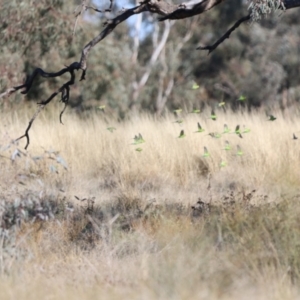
167, 12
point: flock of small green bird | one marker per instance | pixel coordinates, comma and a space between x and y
238, 131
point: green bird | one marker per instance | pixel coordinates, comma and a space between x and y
227, 146
223, 164
238, 131
195, 86
200, 129
195, 111
215, 135
206, 153
177, 111
178, 121
213, 116
139, 149
246, 130
181, 135
242, 98
111, 129
226, 129
138, 139
271, 118
239, 151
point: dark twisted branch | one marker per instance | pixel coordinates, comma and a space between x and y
27, 85
191, 8
26, 134
168, 11
286, 4
64, 90
225, 36
110, 25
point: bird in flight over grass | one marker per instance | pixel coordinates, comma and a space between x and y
179, 121
223, 164
177, 111
226, 129
181, 134
227, 146
111, 129
271, 118
246, 130
138, 139
200, 129
242, 98
195, 86
238, 131
195, 111
239, 151
215, 135
295, 137
206, 153
213, 116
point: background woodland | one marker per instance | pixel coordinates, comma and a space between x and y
145, 65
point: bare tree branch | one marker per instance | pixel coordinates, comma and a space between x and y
167, 10
64, 90
110, 25
191, 8
26, 134
288, 4
225, 36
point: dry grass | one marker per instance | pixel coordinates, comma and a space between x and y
245, 246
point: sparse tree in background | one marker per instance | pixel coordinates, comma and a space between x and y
128, 72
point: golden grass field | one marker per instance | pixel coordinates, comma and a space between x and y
136, 235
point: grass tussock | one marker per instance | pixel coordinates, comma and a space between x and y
85, 215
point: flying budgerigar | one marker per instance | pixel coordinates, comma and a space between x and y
271, 118
227, 146
111, 129
200, 129
238, 131
177, 111
213, 115
239, 151
181, 135
206, 153
138, 139
215, 135
226, 129
178, 121
246, 130
242, 98
195, 86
